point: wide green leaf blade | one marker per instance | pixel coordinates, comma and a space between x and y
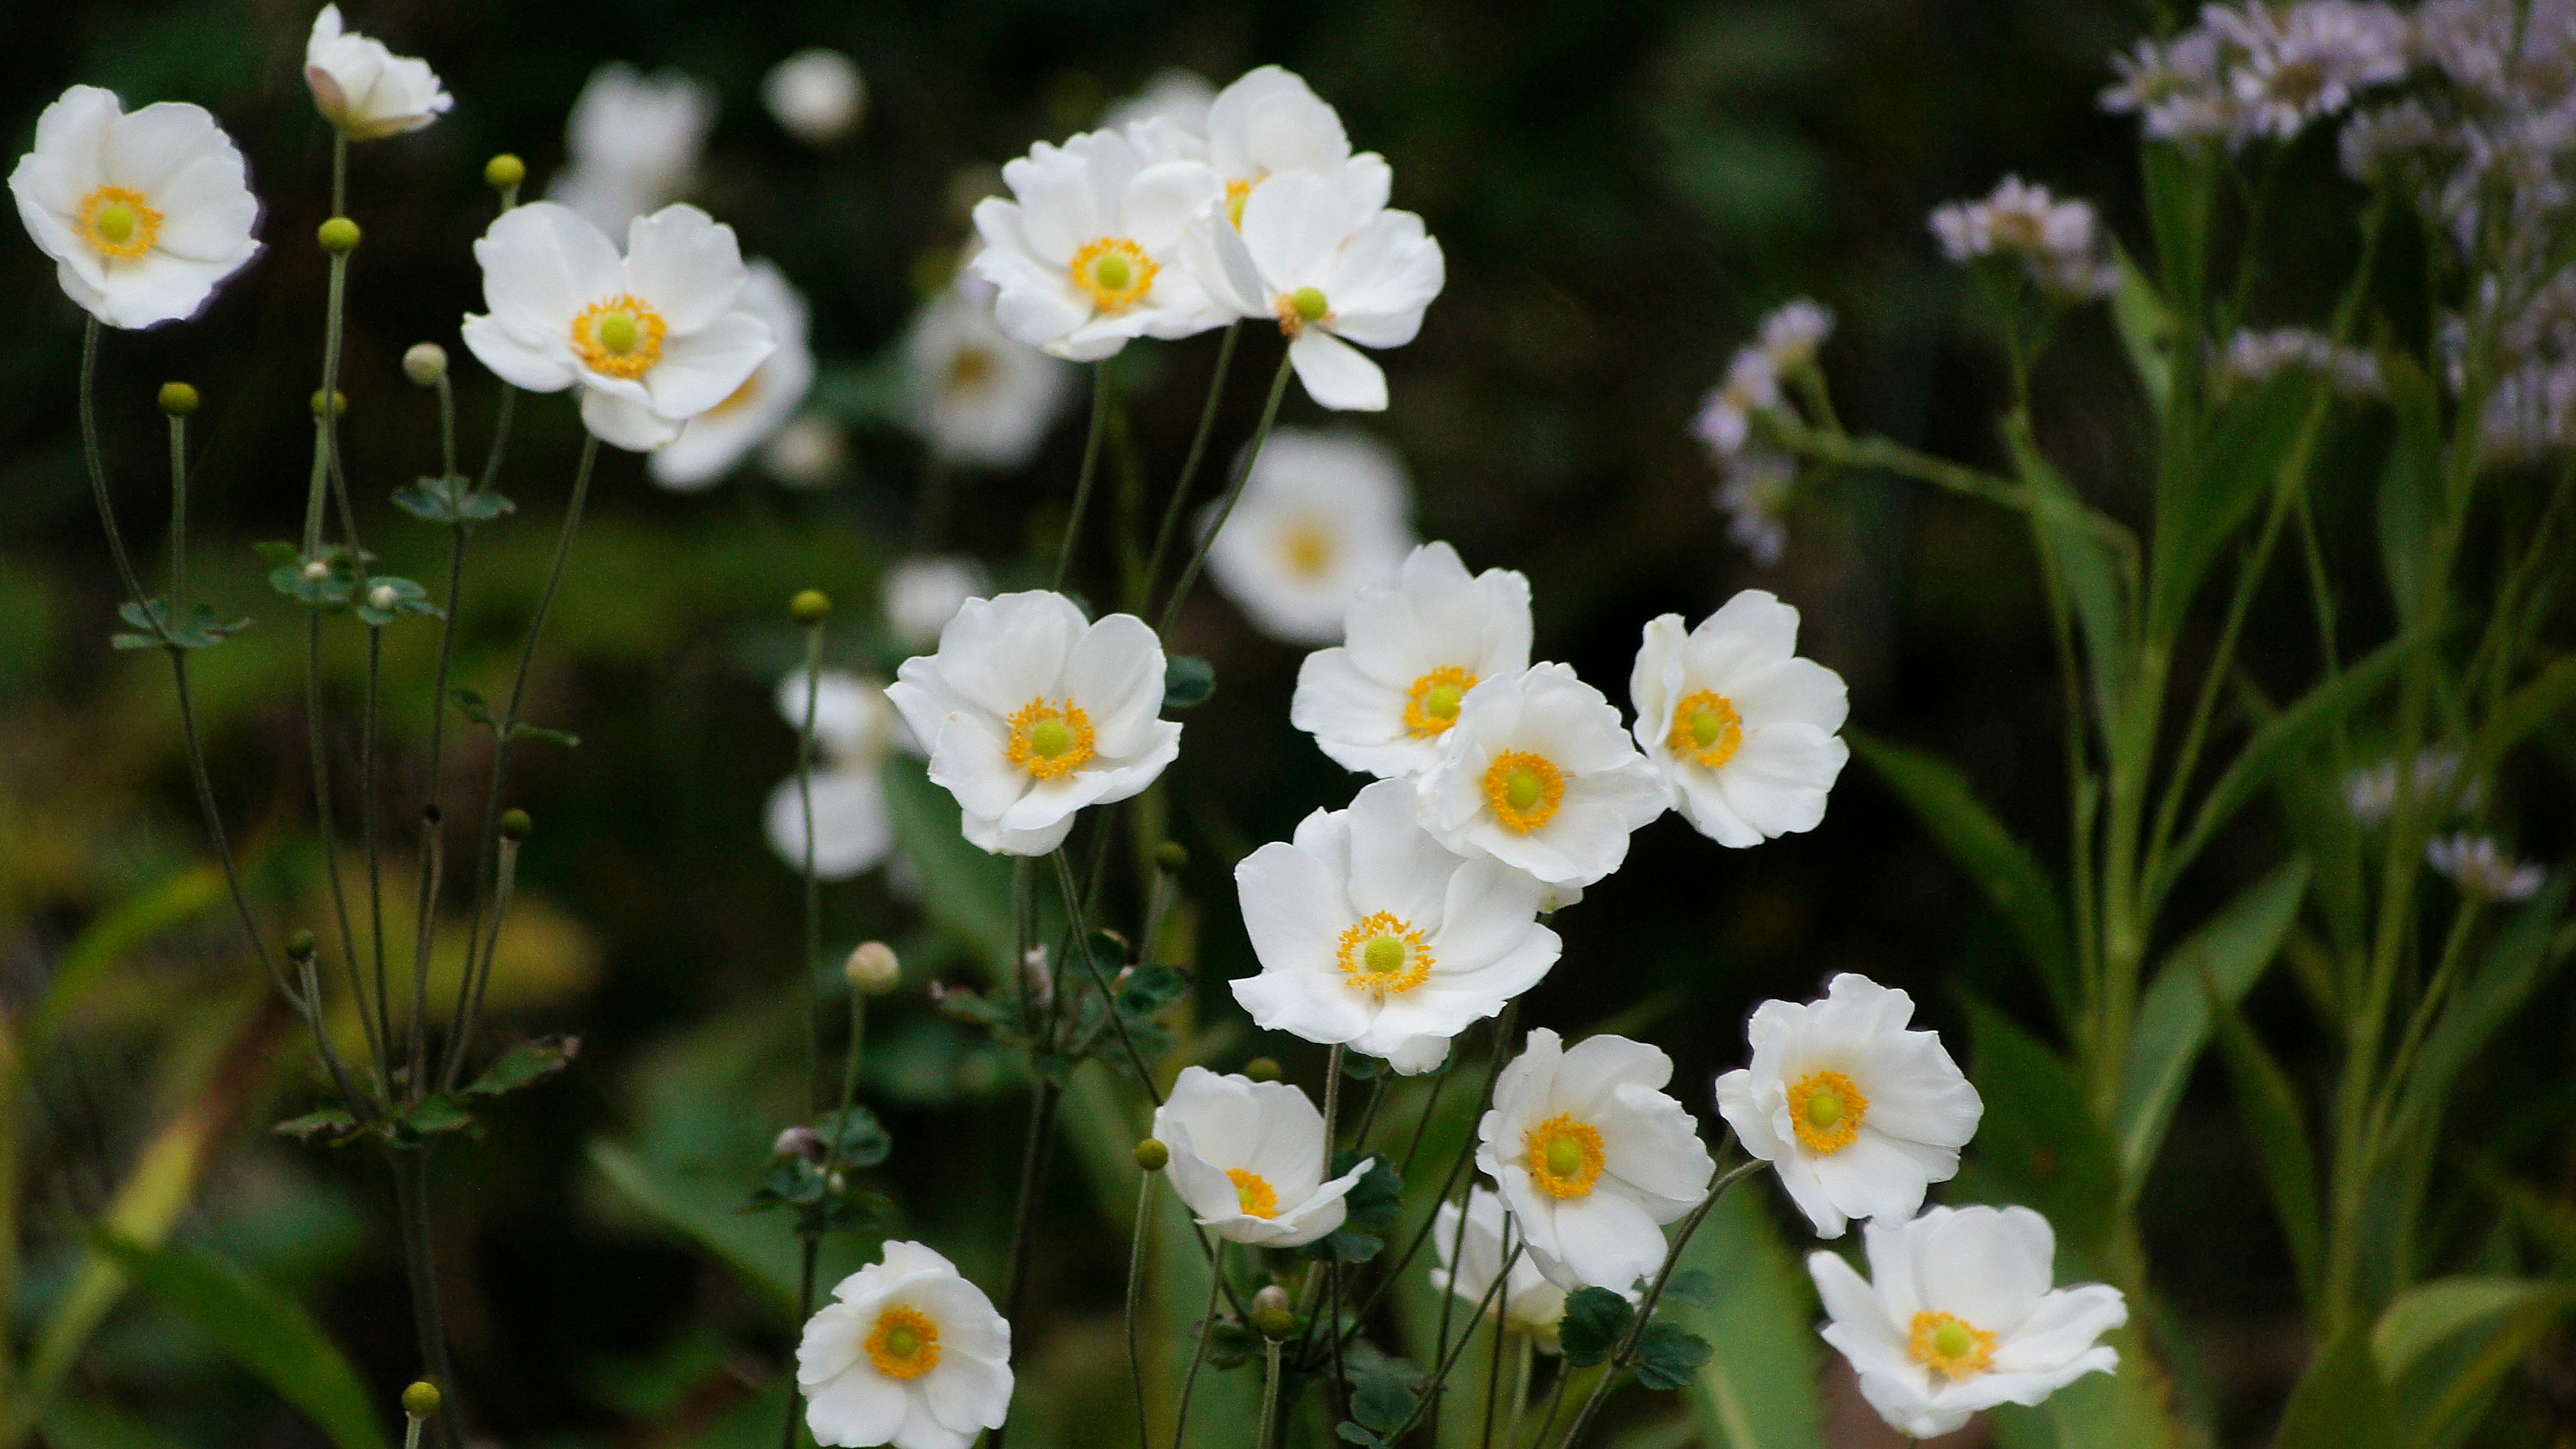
2432, 1313
2269, 1103
2341, 1402
2519, 962
1758, 1390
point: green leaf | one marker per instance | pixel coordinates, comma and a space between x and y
1188, 681
524, 1065
2038, 1144
2278, 1125
260, 1329
450, 500
855, 1135
2071, 536
70, 1424
475, 709
1758, 1390
328, 1127
1669, 1356
2342, 1402
762, 1250
1693, 1287
1150, 988
110, 938
155, 629
1595, 1320
2430, 1314
2209, 491
434, 1116
2543, 699
565, 738
2411, 486
2149, 331
1978, 844
2517, 965
1381, 1403
2229, 952
400, 599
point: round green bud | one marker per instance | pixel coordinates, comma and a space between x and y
339, 403
873, 969
810, 606
1171, 858
421, 1399
504, 172
1272, 1317
339, 236
425, 363
299, 944
515, 825
1152, 1155
178, 399
1263, 1069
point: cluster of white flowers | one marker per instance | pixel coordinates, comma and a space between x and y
2260, 71
2480, 866
1757, 480
2057, 243
2370, 792
2259, 356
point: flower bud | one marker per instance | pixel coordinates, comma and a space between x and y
504, 172
1152, 1155
299, 944
339, 236
339, 403
178, 399
515, 825
421, 1399
803, 1143
425, 363
1263, 1069
810, 607
1271, 1315
1171, 858
383, 597
1039, 979
316, 570
873, 969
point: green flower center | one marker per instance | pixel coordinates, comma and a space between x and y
1953, 1340
619, 332
1383, 956
1706, 725
1442, 701
1112, 272
903, 1342
1824, 1109
1309, 302
116, 222
1524, 789
1050, 738
1564, 1157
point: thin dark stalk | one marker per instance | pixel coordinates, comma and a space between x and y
1100, 980
370, 789
1431, 1390
1135, 1295
1269, 1396
1090, 470
1242, 474
1422, 1125
813, 881
429, 1323
1171, 523
178, 522
317, 749
1457, 1169
1494, 1366
433, 871
1198, 1356
1555, 1405
98, 474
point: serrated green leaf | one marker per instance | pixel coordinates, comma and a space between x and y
856, 1137
326, 1127
1381, 1403
1669, 1355
524, 1065
1595, 1320
1696, 1287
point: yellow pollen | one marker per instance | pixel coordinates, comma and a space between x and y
1950, 1345
1706, 729
1050, 739
1114, 272
118, 223
1236, 194
1524, 789
1301, 309
740, 398
1431, 704
1254, 1192
1309, 548
619, 336
1826, 1111
904, 1344
1384, 955
1565, 1156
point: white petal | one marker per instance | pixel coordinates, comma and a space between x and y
1336, 375
687, 266
622, 422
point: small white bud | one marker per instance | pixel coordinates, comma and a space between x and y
815, 95
873, 969
383, 597
1041, 981
316, 570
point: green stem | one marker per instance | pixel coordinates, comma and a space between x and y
1198, 1355
1090, 468
1100, 981
1242, 474
429, 1321
1170, 526
1269, 1395
1135, 1296
97, 467
813, 882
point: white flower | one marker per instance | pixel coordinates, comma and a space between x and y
1754, 492
807, 452
1322, 256
1087, 253
1742, 727
1539, 774
1725, 421
1031, 714
2257, 357
2055, 241
1248, 1159
1381, 702
1269, 122
1472, 1255
652, 339
977, 396
1794, 331
854, 730
815, 95
920, 595
633, 143
1592, 1157
1855, 1113
364, 89
2293, 65
1373, 935
144, 215
1323, 516
2370, 793
908, 1353
2175, 88
715, 441
2480, 867
1957, 1316
1176, 96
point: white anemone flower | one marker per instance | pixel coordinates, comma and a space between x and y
1176, 96
1742, 727
1471, 1250
716, 441
2483, 868
1539, 774
1248, 1159
1957, 1316
977, 396
1269, 122
908, 1353
1857, 1114
854, 730
633, 143
1381, 702
1323, 516
1593, 1157
1086, 254
652, 339
815, 95
363, 88
1323, 257
1030, 713
144, 214
920, 595
1373, 935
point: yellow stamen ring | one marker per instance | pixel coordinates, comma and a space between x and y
118, 223
1565, 1156
1524, 789
1114, 272
619, 336
1384, 955
1049, 739
1254, 1192
1950, 1346
1706, 729
1826, 1111
1431, 705
904, 1344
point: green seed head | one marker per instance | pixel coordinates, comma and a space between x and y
339, 236
115, 223
1442, 701
1171, 858
1152, 1155
504, 172
1263, 1069
873, 969
1564, 1157
1953, 1340
1705, 727
421, 1399
619, 332
299, 944
339, 404
1309, 302
425, 363
1523, 789
810, 606
1112, 273
1050, 738
178, 399
515, 825
1824, 1109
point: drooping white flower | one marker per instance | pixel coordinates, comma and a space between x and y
1382, 700
1743, 728
1248, 1159
363, 88
633, 144
1030, 713
920, 595
2482, 867
907, 1353
815, 95
1471, 1251
717, 440
1539, 774
806, 452
1794, 331
2294, 64
1176, 96
1323, 516
1373, 935
977, 396
1592, 1157
854, 730
143, 214
652, 339
2055, 241
1752, 386
1957, 1316
1857, 1114
1754, 492
1086, 254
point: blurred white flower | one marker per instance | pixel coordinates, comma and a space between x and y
815, 95
854, 730
920, 595
1087, 253
363, 88
633, 143
1474, 1240
1248, 1159
1539, 774
908, 1353
1030, 713
1175, 96
652, 339
2175, 88
1381, 702
144, 214
2292, 65
1794, 331
1593, 1157
2056, 241
1752, 385
2258, 357
977, 396
1754, 491
807, 452
1323, 516
1270, 122
2481, 867
1373, 935
715, 441
2370, 792
1856, 1114
1743, 728
1957, 1316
